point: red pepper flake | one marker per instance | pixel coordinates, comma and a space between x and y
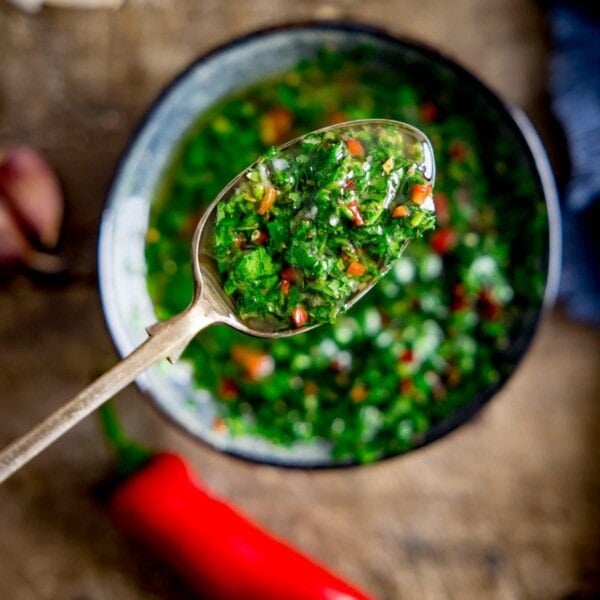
290, 274
228, 389
407, 387
276, 125
419, 193
400, 211
299, 316
459, 298
355, 148
349, 184
457, 151
359, 393
255, 364
219, 425
285, 286
259, 237
429, 112
267, 201
335, 117
356, 214
311, 388
443, 241
487, 306
407, 356
442, 208
356, 269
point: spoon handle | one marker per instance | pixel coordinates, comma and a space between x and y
167, 340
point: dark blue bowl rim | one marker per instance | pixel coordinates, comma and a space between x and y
530, 143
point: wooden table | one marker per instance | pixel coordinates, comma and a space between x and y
506, 507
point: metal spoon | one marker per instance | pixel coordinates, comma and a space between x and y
210, 305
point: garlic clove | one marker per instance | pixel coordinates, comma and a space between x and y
13, 244
32, 191
15, 248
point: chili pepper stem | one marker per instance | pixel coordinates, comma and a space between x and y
130, 454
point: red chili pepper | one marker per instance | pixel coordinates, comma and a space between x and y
218, 550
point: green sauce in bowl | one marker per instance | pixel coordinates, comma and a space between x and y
435, 331
313, 224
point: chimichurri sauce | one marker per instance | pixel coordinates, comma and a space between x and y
432, 334
311, 226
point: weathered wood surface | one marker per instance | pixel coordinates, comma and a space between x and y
506, 507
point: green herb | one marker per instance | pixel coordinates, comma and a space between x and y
433, 333
311, 226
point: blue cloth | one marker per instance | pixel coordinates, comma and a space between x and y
575, 91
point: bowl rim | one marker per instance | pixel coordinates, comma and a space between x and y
514, 117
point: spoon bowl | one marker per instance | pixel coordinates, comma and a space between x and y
414, 144
210, 304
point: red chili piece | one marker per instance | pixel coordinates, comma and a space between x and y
459, 298
407, 356
443, 241
290, 274
429, 112
356, 269
358, 219
285, 286
487, 306
419, 193
276, 125
442, 209
228, 389
355, 148
217, 550
458, 151
259, 237
299, 316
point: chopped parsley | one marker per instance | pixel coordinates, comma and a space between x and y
312, 225
433, 333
